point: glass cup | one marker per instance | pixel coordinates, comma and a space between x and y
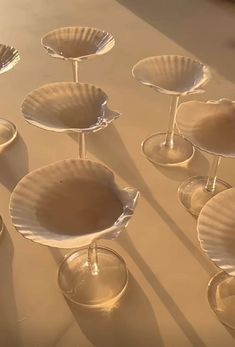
175, 76
216, 225
210, 127
76, 44
73, 204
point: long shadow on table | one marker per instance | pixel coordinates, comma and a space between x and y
13, 163
131, 324
205, 28
162, 293
9, 324
108, 147
183, 171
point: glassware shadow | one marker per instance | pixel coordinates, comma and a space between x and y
230, 331
131, 323
172, 18
9, 321
162, 293
110, 149
198, 165
13, 163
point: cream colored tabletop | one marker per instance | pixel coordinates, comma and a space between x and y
166, 303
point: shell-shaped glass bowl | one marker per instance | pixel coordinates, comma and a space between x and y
9, 57
71, 203
77, 43
172, 74
210, 126
68, 107
216, 226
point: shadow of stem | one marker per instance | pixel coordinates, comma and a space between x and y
162, 293
116, 156
122, 325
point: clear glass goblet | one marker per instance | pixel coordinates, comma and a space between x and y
77, 44
69, 107
216, 225
210, 127
73, 204
176, 76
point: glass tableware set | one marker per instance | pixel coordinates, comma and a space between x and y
74, 203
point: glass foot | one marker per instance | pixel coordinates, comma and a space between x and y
8, 133
221, 297
154, 149
95, 291
193, 195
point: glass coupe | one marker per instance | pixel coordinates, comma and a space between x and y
175, 76
77, 44
209, 126
216, 226
74, 203
69, 107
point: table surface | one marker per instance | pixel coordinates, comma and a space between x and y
166, 303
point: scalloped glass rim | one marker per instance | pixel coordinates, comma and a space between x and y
24, 223
9, 61
11, 126
193, 90
222, 200
55, 54
201, 147
103, 119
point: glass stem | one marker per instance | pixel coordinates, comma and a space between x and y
169, 142
75, 70
93, 259
81, 146
212, 175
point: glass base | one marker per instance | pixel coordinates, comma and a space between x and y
94, 291
155, 150
193, 195
8, 133
221, 297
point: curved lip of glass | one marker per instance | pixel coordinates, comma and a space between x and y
1, 226
128, 196
55, 54
193, 90
217, 104
105, 117
14, 133
11, 60
219, 198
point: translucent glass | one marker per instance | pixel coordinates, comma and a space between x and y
176, 76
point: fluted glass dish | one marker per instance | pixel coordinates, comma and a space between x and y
9, 57
209, 126
69, 107
216, 225
176, 76
77, 44
74, 203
